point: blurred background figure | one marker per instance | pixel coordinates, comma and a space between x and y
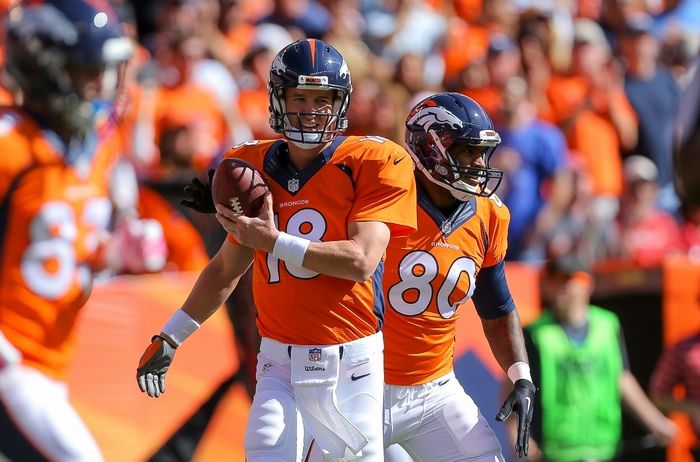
533, 157
579, 361
678, 367
647, 234
653, 93
57, 205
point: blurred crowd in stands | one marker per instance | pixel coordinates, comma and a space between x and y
583, 93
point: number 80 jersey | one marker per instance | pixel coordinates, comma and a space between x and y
428, 275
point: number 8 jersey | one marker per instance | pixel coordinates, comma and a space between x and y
428, 275
51, 215
353, 179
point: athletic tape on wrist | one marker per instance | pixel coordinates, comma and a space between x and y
180, 326
519, 370
290, 248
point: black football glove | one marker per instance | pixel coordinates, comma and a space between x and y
521, 400
153, 365
200, 196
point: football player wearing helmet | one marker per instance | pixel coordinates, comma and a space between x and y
55, 205
316, 249
309, 65
456, 254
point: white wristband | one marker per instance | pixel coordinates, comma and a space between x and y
179, 327
519, 370
290, 248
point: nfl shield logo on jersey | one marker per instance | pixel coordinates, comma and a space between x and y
293, 185
446, 227
314, 354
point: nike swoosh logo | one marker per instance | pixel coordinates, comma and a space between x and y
396, 161
354, 377
443, 382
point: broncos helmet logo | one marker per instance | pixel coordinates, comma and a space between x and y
428, 116
344, 71
278, 66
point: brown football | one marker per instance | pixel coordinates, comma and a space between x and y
238, 185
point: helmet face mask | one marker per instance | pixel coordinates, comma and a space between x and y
309, 64
451, 140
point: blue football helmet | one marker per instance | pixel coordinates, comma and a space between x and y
309, 64
441, 126
55, 52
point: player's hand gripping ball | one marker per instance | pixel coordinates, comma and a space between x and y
238, 185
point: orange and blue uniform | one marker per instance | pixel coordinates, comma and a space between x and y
354, 179
428, 275
52, 212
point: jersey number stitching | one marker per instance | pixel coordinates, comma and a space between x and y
417, 270
49, 263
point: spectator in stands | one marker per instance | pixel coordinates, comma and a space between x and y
578, 357
590, 106
502, 63
179, 102
647, 233
532, 155
653, 93
307, 18
581, 229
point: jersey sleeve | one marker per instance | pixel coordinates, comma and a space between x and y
498, 221
386, 190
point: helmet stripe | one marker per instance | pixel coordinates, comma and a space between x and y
312, 45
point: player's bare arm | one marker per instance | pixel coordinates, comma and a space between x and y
354, 259
217, 280
505, 338
213, 287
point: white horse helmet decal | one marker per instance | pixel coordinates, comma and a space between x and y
427, 116
344, 71
278, 66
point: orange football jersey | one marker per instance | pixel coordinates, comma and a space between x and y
428, 275
50, 216
354, 179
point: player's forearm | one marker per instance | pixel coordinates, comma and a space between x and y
342, 259
505, 337
354, 259
213, 286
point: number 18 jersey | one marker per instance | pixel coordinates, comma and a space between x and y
354, 179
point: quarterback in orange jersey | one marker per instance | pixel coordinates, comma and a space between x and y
316, 249
55, 208
456, 254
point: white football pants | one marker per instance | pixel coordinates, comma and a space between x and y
275, 431
38, 420
438, 422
